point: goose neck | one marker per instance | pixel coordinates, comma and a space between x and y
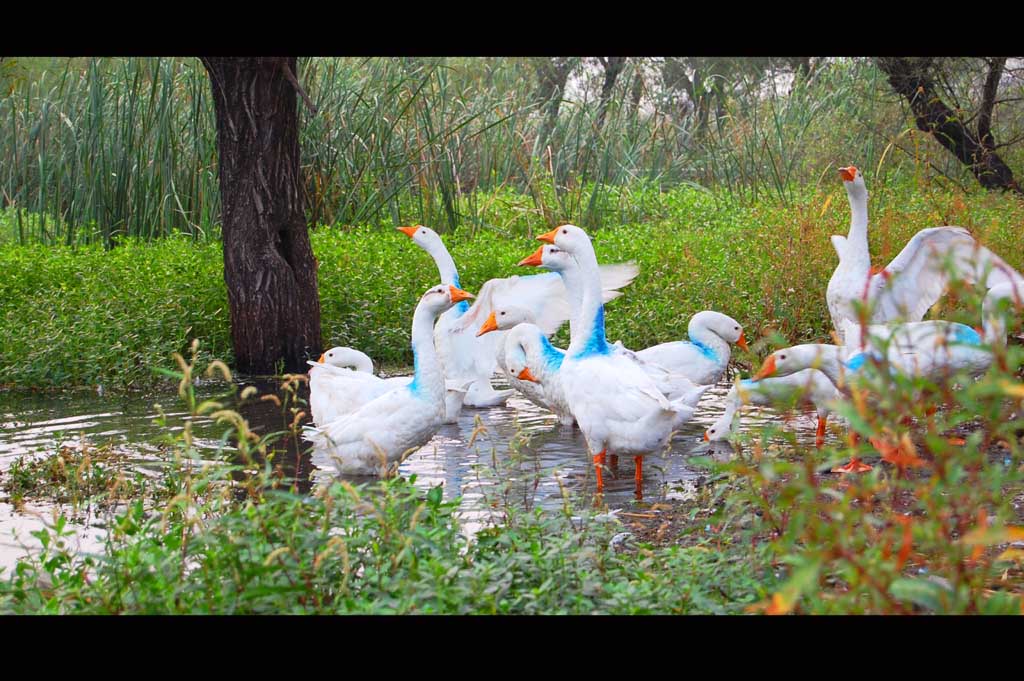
428, 376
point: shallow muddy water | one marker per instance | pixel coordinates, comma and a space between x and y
546, 462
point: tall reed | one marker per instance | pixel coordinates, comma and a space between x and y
106, 148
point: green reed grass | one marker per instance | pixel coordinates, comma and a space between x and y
103, 149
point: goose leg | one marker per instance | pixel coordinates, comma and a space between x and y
639, 476
599, 466
819, 439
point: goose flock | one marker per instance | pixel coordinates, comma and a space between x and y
629, 403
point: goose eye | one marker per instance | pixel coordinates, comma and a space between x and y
782, 357
502, 314
565, 231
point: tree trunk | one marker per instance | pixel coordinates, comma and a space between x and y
552, 75
612, 68
269, 266
910, 78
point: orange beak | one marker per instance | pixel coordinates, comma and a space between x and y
849, 174
409, 231
458, 295
767, 369
525, 375
742, 342
549, 236
534, 259
706, 438
490, 325
321, 360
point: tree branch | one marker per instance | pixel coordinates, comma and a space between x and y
298, 88
988, 102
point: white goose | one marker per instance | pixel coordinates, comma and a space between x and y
932, 349
809, 385
529, 361
404, 418
673, 385
468, 358
617, 406
336, 389
916, 278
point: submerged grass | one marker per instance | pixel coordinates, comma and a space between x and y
84, 316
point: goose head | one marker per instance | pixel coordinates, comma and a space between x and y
549, 257
424, 237
341, 356
568, 238
517, 367
790, 360
722, 325
853, 179
442, 297
505, 318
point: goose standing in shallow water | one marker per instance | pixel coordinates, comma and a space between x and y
916, 278
672, 385
336, 390
468, 358
379, 433
932, 349
810, 384
617, 406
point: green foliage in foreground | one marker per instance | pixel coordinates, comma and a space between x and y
71, 317
221, 546
929, 529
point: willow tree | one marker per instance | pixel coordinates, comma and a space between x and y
965, 133
269, 266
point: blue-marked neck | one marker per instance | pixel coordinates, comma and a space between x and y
856, 362
462, 307
551, 355
428, 378
594, 342
965, 334
590, 339
706, 350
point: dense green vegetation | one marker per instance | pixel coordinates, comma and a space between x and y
82, 316
928, 530
111, 261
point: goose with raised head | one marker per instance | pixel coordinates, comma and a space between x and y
672, 385
466, 357
808, 386
378, 434
342, 380
617, 406
908, 286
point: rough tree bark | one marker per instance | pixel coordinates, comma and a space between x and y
911, 78
269, 266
